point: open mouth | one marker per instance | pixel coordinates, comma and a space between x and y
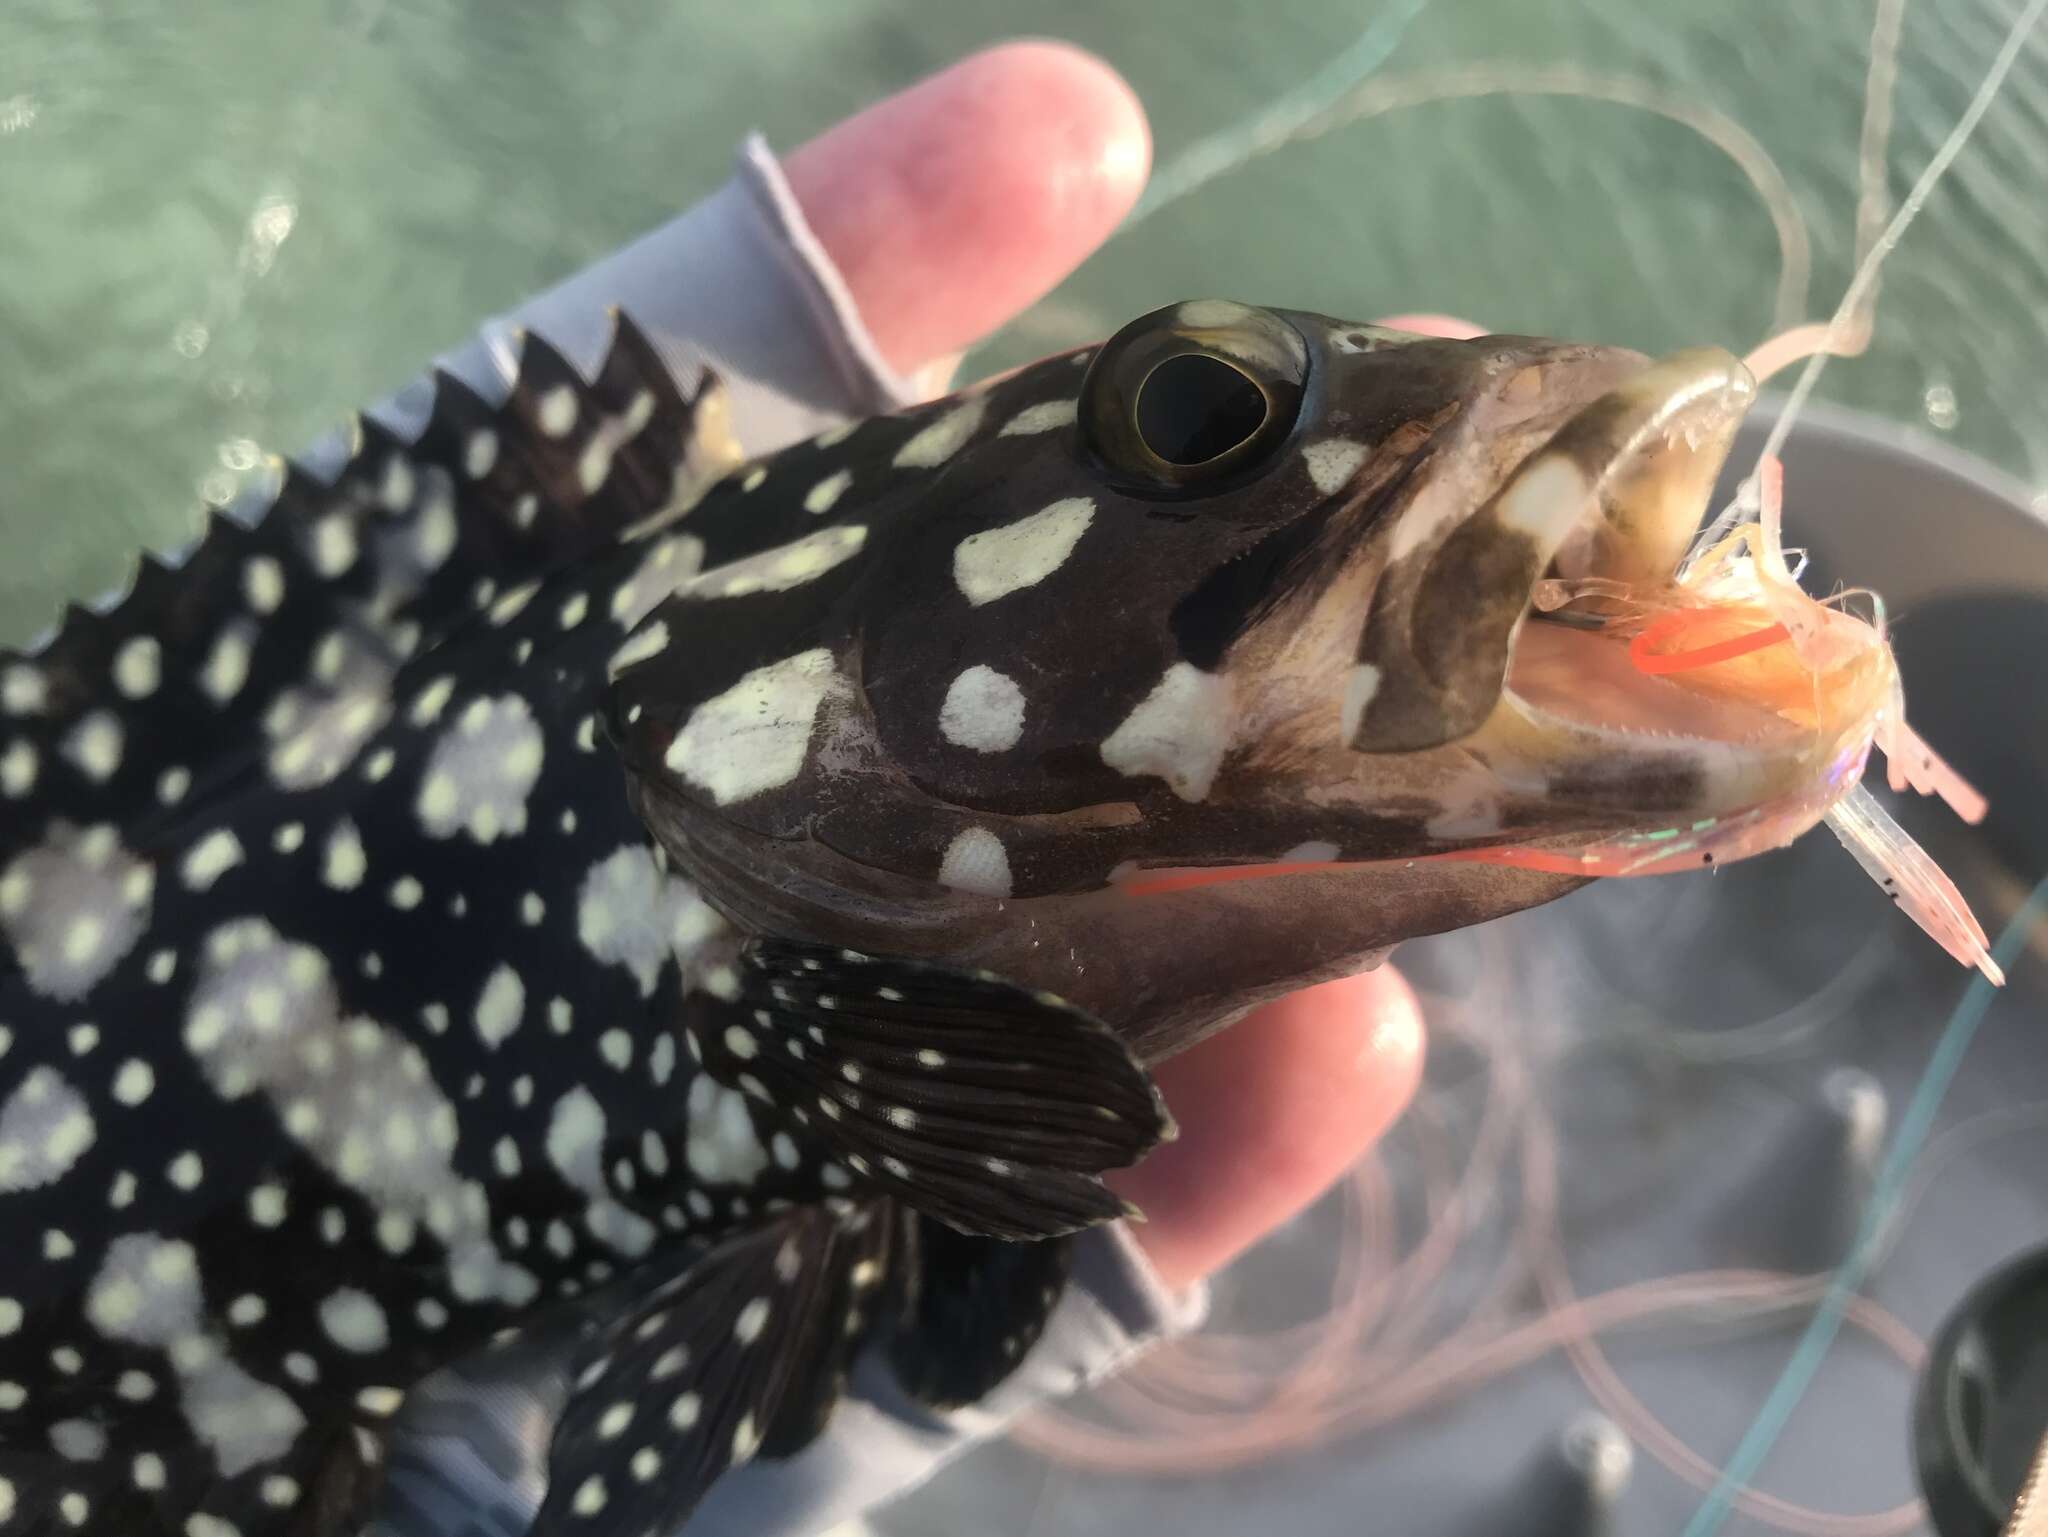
1611, 642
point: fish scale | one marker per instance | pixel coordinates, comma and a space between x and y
555, 871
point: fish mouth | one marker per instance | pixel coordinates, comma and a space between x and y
1621, 672
1627, 480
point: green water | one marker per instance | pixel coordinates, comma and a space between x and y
224, 225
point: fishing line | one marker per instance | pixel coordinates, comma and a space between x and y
1849, 1276
1747, 498
1242, 142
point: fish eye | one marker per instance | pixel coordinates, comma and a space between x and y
1197, 407
1191, 398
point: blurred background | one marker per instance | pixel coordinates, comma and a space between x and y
222, 226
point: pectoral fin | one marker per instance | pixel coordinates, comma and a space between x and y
989, 1107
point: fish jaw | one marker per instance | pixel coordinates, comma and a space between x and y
1614, 493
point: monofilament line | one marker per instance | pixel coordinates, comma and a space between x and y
1866, 273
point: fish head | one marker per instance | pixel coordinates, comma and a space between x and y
1240, 589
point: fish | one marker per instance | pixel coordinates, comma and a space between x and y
557, 870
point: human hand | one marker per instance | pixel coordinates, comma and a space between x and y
948, 209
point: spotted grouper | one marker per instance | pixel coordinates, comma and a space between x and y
555, 861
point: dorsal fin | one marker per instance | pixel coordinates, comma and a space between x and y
263, 625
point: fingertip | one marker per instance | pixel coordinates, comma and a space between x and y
1272, 1112
1426, 324
954, 204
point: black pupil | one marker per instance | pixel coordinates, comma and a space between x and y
1193, 407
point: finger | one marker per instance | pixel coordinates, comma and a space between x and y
1425, 324
952, 206
1272, 1111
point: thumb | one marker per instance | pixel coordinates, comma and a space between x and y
1272, 1111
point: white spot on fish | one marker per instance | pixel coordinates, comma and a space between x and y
557, 412
755, 735
345, 863
481, 771
479, 453
17, 770
1180, 732
211, 858
501, 1007
319, 729
396, 490
820, 498
435, 532
938, 442
73, 907
1332, 461
1360, 688
509, 607
594, 465
1043, 417
23, 690
646, 643
723, 1148
334, 545
575, 1144
628, 913
976, 861
147, 1292
95, 746
45, 1128
430, 701
227, 665
670, 563
983, 711
265, 1017
354, 1321
1545, 500
134, 1082
1000, 561
779, 569
263, 584
138, 667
